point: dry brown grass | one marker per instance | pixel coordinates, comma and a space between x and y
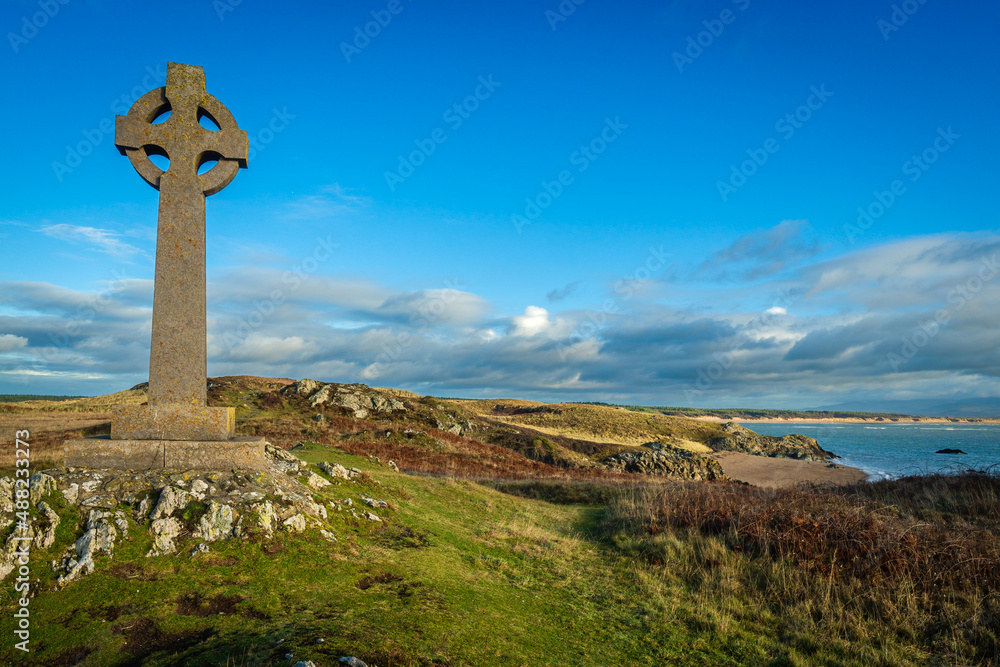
918, 558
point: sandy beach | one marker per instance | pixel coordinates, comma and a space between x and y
774, 473
839, 420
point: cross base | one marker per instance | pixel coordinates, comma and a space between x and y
244, 453
172, 422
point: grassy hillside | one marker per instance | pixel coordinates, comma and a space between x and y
490, 554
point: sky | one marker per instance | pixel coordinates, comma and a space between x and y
713, 204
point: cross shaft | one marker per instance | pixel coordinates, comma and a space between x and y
178, 355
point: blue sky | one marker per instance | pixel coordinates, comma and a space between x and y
649, 202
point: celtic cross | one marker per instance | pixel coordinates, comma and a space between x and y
177, 361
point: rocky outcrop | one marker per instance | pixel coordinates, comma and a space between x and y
794, 446
666, 460
358, 399
179, 509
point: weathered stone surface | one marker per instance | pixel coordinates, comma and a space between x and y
171, 430
321, 396
71, 493
171, 499
334, 470
40, 485
217, 523
246, 453
172, 422
316, 482
46, 537
266, 517
296, 523
371, 502
17, 544
6, 495
306, 387
794, 446
177, 369
164, 531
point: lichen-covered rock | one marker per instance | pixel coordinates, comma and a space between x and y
321, 396
71, 493
15, 545
164, 531
334, 470
286, 462
171, 499
316, 482
198, 489
99, 536
40, 485
122, 523
46, 537
141, 512
371, 502
266, 516
217, 522
306, 387
6, 495
741, 439
667, 461
295, 523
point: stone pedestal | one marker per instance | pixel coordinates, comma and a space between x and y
244, 453
172, 422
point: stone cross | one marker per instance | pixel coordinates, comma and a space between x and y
177, 362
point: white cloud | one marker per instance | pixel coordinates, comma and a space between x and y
10, 342
534, 321
104, 240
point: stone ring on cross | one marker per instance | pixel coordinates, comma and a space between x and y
181, 138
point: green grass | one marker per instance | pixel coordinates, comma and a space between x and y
460, 574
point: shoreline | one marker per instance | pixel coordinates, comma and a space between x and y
777, 473
844, 420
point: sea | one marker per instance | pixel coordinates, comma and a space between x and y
888, 451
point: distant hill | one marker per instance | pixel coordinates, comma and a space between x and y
973, 406
18, 398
